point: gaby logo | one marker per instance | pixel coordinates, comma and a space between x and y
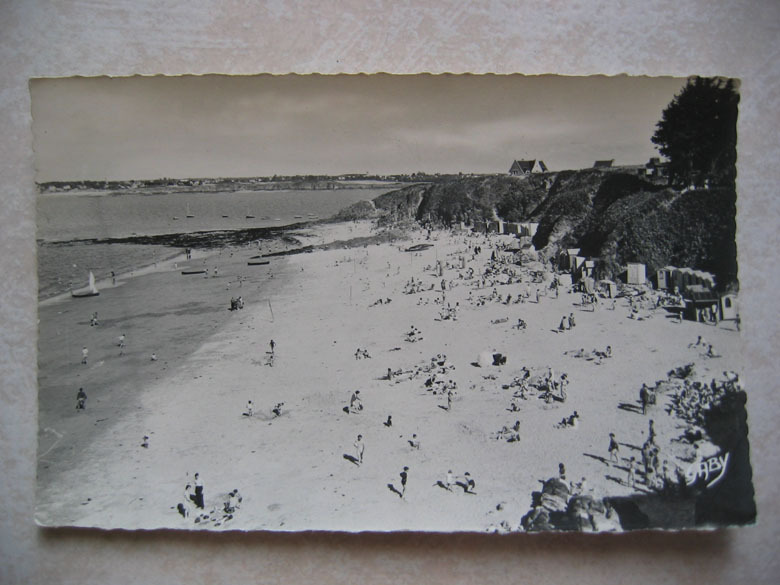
711, 470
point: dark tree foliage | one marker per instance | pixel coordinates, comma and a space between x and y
698, 133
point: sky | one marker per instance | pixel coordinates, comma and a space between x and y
148, 127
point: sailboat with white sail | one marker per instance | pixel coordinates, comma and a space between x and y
90, 290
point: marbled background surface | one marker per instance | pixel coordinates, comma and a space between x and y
123, 37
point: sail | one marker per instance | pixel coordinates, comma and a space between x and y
92, 286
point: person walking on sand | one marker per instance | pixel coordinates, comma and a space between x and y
450, 481
81, 399
273, 345
614, 449
360, 447
84, 355
404, 477
449, 400
571, 321
121, 344
631, 478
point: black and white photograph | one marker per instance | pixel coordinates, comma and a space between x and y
433, 303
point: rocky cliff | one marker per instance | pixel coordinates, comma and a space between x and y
617, 217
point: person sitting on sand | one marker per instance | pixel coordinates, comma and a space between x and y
469, 482
93, 322
145, 443
277, 410
563, 324
561, 472
250, 409
154, 357
414, 442
81, 399
698, 343
355, 405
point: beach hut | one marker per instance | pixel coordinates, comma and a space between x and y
636, 273
664, 278
728, 307
608, 288
701, 303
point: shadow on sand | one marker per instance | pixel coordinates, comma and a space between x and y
352, 459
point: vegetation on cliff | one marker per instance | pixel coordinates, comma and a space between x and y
616, 217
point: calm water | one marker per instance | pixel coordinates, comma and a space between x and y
66, 217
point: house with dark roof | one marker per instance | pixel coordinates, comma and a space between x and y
526, 167
603, 164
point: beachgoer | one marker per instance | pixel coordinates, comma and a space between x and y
389, 421
189, 498
562, 472
449, 399
198, 492
145, 443
651, 431
81, 399
614, 449
154, 357
84, 355
571, 321
355, 405
563, 324
121, 342
470, 483
630, 479
250, 409
404, 477
94, 320
360, 447
273, 345
414, 442
643, 397
277, 410
449, 481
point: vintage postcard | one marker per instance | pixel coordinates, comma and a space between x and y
382, 303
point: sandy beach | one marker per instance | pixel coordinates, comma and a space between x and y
294, 471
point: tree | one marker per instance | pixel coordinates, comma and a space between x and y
698, 133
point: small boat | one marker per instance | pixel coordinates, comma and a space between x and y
225, 216
297, 217
258, 262
89, 291
194, 271
250, 216
175, 217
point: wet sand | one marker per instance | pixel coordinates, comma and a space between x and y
291, 470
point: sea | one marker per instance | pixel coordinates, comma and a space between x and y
66, 219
